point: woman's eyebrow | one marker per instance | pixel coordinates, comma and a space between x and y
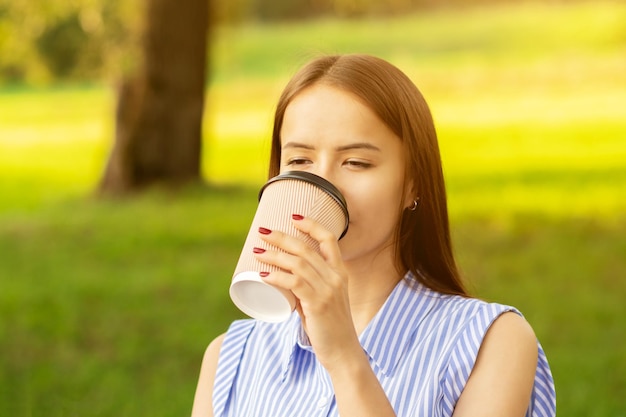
348, 147
297, 145
358, 145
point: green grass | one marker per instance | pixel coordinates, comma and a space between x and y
106, 306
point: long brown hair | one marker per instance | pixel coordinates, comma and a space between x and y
423, 243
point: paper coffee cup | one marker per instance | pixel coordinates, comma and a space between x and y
293, 192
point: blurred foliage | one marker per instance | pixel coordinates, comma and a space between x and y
278, 10
83, 40
88, 40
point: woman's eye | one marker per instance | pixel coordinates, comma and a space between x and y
298, 161
358, 164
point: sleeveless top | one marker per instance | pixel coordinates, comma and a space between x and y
422, 346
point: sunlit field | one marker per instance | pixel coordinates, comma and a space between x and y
106, 306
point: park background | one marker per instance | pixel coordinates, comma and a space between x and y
107, 304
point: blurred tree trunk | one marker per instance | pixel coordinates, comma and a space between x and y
159, 110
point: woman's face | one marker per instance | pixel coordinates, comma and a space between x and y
331, 133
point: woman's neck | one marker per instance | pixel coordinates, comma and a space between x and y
369, 287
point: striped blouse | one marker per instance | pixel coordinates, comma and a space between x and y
422, 346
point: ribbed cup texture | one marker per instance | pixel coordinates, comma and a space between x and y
278, 202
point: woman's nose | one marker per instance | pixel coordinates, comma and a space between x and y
324, 172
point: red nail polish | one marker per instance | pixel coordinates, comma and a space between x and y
297, 216
264, 231
264, 274
258, 250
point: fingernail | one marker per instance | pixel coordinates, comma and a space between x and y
264, 231
264, 274
258, 250
297, 216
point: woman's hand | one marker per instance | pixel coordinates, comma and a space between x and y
319, 281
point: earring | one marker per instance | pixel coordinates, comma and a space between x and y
416, 203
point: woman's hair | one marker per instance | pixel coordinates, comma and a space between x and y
423, 243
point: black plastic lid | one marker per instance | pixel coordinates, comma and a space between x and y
315, 180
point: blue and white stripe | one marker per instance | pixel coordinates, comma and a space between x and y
422, 346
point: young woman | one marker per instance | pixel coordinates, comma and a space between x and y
384, 326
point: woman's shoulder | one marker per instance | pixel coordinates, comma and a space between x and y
229, 342
202, 404
494, 342
237, 330
510, 354
211, 355
477, 317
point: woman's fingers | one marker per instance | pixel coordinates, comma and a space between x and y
304, 270
326, 239
296, 273
327, 242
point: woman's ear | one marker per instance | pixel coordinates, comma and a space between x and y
410, 195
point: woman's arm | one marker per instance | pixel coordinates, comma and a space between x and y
502, 379
203, 400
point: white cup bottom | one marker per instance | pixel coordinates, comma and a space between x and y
260, 300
